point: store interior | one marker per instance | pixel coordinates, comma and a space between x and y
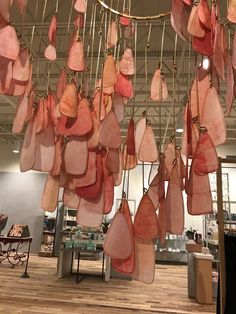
117, 156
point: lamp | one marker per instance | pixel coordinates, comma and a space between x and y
180, 122
16, 147
205, 63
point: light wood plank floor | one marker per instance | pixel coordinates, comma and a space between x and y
44, 293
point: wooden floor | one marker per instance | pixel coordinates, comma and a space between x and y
44, 293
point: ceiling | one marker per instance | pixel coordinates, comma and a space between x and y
33, 32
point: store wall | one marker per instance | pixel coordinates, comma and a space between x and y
20, 195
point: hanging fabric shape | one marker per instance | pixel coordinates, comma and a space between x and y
70, 198
112, 160
144, 270
90, 212
234, 52
110, 135
125, 21
218, 57
21, 67
179, 18
145, 221
148, 150
118, 243
174, 204
170, 158
20, 115
139, 133
127, 66
61, 84
76, 149
124, 86
90, 176
162, 220
203, 45
112, 35
125, 266
45, 149
56, 169
16, 88
22, 4
229, 86
119, 107
5, 74
50, 193
204, 14
108, 103
9, 44
108, 187
4, 11
198, 94
159, 91
224, 44
80, 6
27, 154
69, 101
130, 141
79, 126
213, 117
156, 191
30, 107
76, 57
118, 176
30, 86
41, 115
129, 31
93, 135
194, 25
205, 157
91, 192
129, 161
50, 53
199, 200
99, 105
52, 105
231, 14
109, 75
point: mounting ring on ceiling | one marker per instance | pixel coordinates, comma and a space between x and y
133, 17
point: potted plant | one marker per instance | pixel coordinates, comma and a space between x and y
190, 233
105, 225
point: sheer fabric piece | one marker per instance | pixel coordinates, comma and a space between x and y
110, 135
130, 141
61, 84
213, 117
139, 133
21, 66
118, 176
93, 135
124, 86
129, 161
9, 44
69, 101
159, 91
56, 169
204, 14
205, 157
76, 155
70, 198
119, 107
118, 243
144, 270
174, 205
27, 154
148, 150
112, 35
218, 57
76, 57
112, 160
194, 26
231, 14
109, 75
203, 45
145, 221
127, 62
20, 115
80, 6
229, 86
50, 193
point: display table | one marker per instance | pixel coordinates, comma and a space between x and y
66, 258
15, 250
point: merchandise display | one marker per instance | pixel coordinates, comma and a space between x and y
110, 93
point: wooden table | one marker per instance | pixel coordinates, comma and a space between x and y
15, 250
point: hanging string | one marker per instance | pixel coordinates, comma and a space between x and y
146, 65
135, 65
174, 84
92, 47
48, 78
57, 5
118, 31
69, 21
143, 173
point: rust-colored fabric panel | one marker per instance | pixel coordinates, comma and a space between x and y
118, 176
125, 266
52, 30
129, 161
203, 45
127, 66
144, 270
50, 193
45, 149
56, 169
118, 243
229, 86
69, 101
9, 44
20, 115
27, 154
145, 221
205, 157
124, 86
119, 107
218, 57
204, 14
70, 198
75, 60
139, 133
130, 141
162, 220
93, 135
90, 213
112, 160
174, 204
194, 25
76, 155
61, 84
21, 67
109, 75
92, 191
110, 135
100, 110
5, 74
41, 115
